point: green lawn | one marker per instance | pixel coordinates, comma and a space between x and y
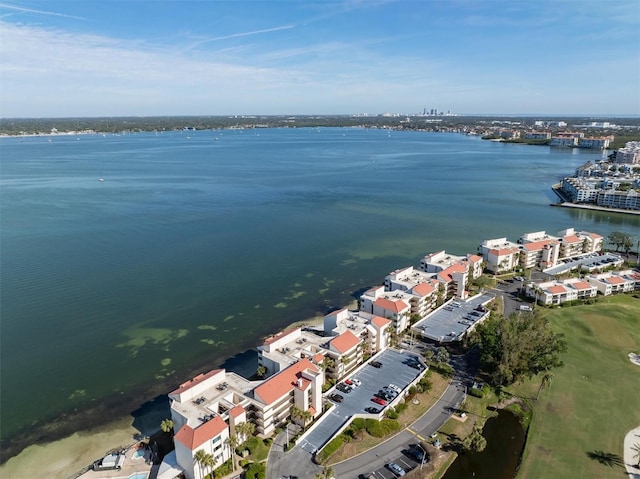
579, 423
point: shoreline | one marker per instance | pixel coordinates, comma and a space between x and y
67, 456
568, 204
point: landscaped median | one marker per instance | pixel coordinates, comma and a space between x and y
363, 434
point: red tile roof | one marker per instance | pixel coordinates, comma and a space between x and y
423, 289
345, 342
592, 235
197, 380
581, 285
614, 280
395, 306
538, 245
475, 258
557, 289
446, 274
503, 252
282, 383
318, 358
304, 384
380, 321
572, 239
194, 438
236, 411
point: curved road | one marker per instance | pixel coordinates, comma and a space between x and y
298, 462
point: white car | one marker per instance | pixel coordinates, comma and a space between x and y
356, 382
395, 388
395, 468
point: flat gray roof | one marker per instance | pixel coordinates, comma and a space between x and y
591, 261
451, 320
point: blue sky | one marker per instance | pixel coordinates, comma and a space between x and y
163, 57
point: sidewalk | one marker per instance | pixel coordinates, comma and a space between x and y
630, 463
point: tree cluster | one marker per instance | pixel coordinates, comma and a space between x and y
620, 240
518, 347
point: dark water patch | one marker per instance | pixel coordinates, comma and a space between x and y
505, 442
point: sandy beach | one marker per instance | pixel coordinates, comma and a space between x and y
64, 458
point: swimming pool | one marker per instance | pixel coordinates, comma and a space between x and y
139, 454
138, 475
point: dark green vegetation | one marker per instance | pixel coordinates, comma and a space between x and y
518, 347
621, 240
581, 417
478, 124
373, 427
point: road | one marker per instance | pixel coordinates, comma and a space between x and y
298, 462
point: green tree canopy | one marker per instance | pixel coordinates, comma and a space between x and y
620, 240
475, 441
518, 347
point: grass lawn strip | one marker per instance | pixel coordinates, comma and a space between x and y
365, 442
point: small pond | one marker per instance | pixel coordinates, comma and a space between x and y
505, 441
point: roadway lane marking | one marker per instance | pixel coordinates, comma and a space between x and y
416, 434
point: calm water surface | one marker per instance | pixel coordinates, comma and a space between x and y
193, 248
499, 460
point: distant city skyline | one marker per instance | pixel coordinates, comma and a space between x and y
150, 58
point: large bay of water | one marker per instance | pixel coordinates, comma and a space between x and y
193, 248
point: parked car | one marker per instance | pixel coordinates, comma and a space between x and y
393, 467
372, 410
395, 388
336, 397
415, 365
376, 364
378, 400
356, 382
417, 454
344, 388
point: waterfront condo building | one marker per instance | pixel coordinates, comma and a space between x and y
371, 329
281, 350
299, 385
500, 255
421, 289
538, 249
392, 305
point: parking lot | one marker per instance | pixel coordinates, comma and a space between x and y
590, 262
406, 461
394, 370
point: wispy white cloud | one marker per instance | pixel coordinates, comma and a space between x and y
38, 12
241, 34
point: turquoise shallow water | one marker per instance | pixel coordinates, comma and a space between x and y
193, 248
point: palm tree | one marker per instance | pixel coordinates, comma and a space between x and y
209, 463
200, 457
245, 430
636, 449
295, 413
261, 371
232, 442
545, 382
306, 416
166, 425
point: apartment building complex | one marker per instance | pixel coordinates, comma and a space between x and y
557, 292
537, 249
